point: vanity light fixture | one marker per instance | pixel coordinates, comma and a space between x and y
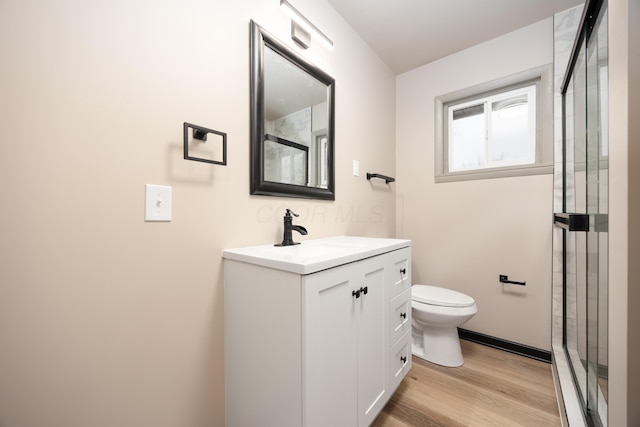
302, 28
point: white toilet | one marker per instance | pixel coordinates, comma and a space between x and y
436, 314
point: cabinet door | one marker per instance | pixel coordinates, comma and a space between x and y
330, 348
371, 331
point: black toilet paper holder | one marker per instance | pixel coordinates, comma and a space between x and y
505, 279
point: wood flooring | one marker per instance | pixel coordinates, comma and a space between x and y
492, 388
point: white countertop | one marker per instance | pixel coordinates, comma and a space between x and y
311, 256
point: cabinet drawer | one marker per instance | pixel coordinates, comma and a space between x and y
399, 278
399, 360
399, 316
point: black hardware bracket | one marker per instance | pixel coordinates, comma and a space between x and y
200, 133
387, 179
505, 279
571, 221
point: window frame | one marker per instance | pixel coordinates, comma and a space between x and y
542, 77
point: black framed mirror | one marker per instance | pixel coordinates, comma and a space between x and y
292, 122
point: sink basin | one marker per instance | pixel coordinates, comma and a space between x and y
314, 255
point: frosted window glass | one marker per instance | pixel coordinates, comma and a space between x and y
511, 142
494, 131
467, 149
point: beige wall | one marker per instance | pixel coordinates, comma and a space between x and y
467, 233
106, 320
624, 231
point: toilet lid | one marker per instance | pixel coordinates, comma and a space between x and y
440, 296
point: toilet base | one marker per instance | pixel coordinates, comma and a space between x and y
443, 346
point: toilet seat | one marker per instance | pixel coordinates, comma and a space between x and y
442, 297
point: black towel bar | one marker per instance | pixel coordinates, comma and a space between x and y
387, 179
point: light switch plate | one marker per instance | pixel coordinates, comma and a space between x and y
356, 168
157, 203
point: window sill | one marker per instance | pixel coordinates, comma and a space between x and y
494, 173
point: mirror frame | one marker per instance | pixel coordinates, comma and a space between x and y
260, 39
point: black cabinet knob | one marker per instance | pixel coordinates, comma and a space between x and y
403, 359
358, 292
403, 271
403, 315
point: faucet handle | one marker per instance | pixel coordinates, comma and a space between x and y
290, 212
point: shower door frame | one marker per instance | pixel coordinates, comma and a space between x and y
585, 375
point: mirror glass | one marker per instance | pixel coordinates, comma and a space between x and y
292, 117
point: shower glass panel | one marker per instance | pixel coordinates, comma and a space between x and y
585, 111
576, 241
597, 174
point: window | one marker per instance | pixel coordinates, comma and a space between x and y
502, 128
494, 131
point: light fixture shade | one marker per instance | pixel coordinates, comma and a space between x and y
301, 20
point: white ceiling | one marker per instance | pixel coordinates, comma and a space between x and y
410, 33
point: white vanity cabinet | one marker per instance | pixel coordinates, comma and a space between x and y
310, 341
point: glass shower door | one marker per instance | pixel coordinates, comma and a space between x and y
597, 184
585, 111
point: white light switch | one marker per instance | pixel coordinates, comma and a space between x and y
157, 203
356, 168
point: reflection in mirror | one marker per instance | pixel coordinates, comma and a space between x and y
292, 119
285, 161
